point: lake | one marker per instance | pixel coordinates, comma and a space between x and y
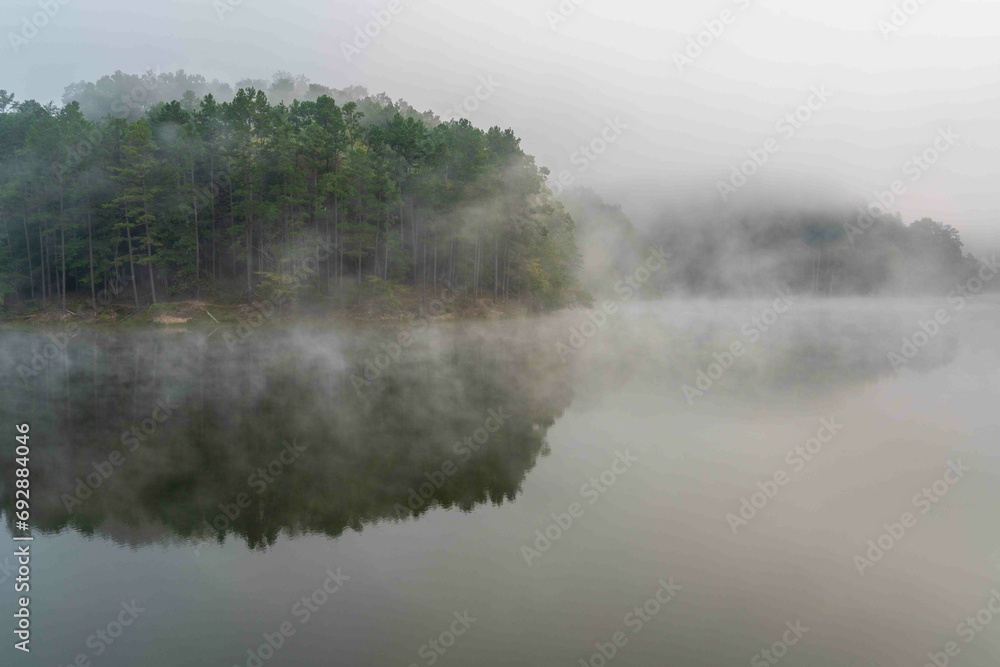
685, 483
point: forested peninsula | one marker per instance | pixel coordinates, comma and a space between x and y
145, 190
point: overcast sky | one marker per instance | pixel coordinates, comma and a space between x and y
562, 76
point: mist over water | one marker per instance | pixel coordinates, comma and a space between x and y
425, 478
445, 333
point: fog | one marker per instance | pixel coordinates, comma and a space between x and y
172, 509
193, 412
561, 74
736, 343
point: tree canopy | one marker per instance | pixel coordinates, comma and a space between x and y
194, 194
167, 185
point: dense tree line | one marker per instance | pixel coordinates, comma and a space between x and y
193, 195
130, 96
166, 185
821, 250
365, 453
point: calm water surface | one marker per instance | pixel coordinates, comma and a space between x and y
544, 496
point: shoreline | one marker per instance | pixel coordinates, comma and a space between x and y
190, 313
202, 313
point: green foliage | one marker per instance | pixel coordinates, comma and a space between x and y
6, 288
280, 288
194, 188
825, 251
386, 295
190, 187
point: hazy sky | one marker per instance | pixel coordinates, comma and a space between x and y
562, 76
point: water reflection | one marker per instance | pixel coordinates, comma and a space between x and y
147, 437
154, 436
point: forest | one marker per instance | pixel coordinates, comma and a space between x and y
166, 186
195, 197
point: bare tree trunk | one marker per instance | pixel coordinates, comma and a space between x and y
248, 222
249, 262
402, 236
62, 239
131, 261
475, 268
197, 241
314, 217
90, 251
378, 231
326, 263
506, 277
413, 232
41, 253
10, 250
451, 261
232, 223
149, 240
339, 261
215, 259
62, 234
27, 245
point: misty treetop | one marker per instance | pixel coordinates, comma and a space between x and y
810, 248
192, 195
161, 186
822, 250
